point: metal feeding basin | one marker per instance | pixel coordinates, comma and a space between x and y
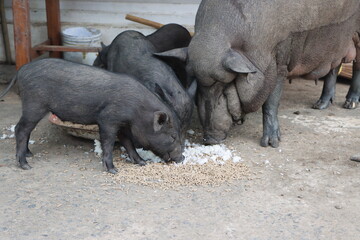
77, 130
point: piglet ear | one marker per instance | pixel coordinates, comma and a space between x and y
103, 45
237, 62
179, 53
160, 118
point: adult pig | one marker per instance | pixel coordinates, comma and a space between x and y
117, 103
131, 53
169, 36
243, 50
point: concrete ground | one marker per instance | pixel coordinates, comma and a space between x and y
306, 189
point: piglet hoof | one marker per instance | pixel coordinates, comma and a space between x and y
349, 104
320, 104
25, 166
141, 162
112, 171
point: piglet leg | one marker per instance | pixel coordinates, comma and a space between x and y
107, 139
130, 149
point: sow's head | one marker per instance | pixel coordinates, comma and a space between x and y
217, 71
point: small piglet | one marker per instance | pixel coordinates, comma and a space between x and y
132, 53
119, 104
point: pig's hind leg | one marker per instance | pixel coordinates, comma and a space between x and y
29, 119
107, 138
353, 95
328, 93
130, 149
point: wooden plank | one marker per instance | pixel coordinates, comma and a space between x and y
22, 34
53, 48
53, 25
35, 53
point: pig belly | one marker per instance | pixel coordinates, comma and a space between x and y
315, 67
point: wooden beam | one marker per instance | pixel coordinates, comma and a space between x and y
53, 48
22, 34
53, 25
35, 53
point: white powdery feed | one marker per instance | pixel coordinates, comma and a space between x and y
203, 165
97, 150
201, 154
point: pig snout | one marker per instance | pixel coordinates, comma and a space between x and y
175, 156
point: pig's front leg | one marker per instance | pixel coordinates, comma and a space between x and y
130, 149
271, 129
107, 138
328, 93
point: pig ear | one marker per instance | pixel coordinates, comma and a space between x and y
179, 53
103, 45
160, 118
238, 62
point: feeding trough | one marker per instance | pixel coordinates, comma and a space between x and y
77, 130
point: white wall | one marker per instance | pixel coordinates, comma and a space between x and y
106, 15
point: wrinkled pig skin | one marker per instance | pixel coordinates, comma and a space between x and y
131, 53
256, 45
117, 103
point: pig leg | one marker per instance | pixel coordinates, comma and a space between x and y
328, 92
271, 130
107, 139
23, 129
130, 149
353, 95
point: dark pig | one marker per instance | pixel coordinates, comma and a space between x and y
169, 36
117, 103
131, 53
243, 50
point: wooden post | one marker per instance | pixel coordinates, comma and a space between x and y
53, 25
22, 33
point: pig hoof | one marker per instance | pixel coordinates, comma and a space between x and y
25, 166
272, 141
112, 171
210, 141
141, 163
320, 104
349, 104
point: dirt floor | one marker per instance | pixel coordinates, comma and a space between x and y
306, 189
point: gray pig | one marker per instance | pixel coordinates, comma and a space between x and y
243, 50
117, 103
169, 36
131, 53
